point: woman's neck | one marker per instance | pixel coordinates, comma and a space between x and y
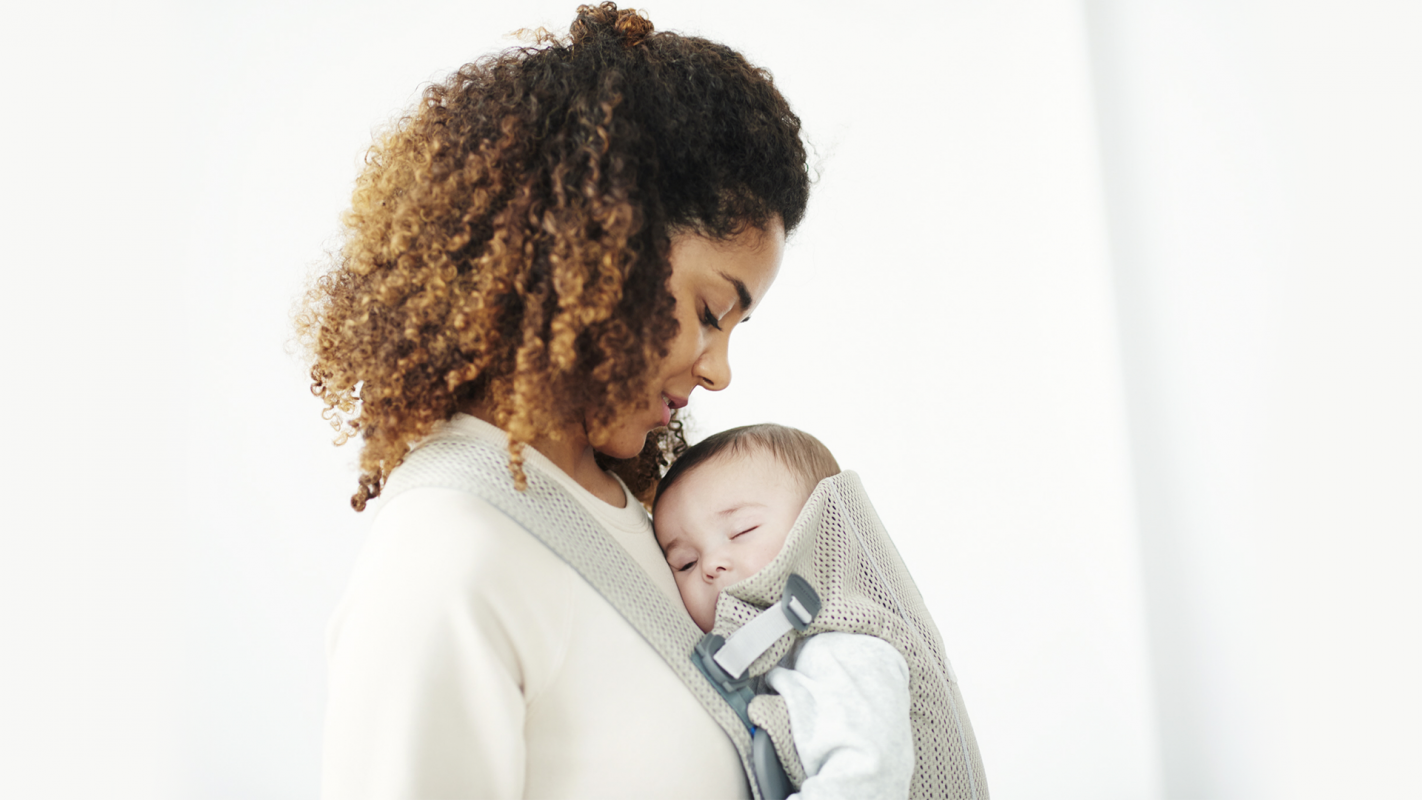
574, 456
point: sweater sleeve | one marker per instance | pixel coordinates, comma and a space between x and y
848, 701
426, 687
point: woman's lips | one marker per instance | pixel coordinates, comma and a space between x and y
668, 404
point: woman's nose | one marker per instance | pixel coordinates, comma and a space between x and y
713, 369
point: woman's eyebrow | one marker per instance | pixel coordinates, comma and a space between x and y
745, 296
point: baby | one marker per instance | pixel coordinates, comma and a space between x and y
721, 514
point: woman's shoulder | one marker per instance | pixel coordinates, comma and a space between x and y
436, 560
447, 534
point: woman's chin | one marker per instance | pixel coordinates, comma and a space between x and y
624, 445
624, 438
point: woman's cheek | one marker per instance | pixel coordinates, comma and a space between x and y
688, 341
678, 356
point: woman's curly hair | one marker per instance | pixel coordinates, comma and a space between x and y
507, 239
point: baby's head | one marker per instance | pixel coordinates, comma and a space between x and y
724, 508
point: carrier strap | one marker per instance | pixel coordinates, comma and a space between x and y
796, 609
548, 512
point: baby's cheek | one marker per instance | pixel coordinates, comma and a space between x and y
701, 607
688, 595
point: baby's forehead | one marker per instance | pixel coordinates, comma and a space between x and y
730, 476
735, 459
715, 475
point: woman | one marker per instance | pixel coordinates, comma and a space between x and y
549, 253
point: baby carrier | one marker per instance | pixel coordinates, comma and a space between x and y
560, 522
838, 571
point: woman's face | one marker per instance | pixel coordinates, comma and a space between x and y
717, 284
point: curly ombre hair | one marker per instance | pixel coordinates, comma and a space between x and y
507, 241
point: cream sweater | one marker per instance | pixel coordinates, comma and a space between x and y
466, 660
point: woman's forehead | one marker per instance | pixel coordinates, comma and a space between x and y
746, 264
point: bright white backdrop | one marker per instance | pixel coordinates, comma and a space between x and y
946, 320
1265, 186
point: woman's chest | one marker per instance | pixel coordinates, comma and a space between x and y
614, 721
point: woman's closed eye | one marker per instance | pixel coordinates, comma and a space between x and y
710, 319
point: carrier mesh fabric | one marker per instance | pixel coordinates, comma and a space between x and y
840, 546
554, 517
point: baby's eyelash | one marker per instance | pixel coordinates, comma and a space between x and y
687, 567
746, 531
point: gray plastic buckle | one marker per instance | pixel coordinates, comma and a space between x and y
736, 691
724, 663
800, 602
769, 773
796, 610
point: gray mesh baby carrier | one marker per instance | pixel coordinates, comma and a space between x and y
555, 518
839, 571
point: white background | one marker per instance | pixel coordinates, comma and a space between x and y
1114, 306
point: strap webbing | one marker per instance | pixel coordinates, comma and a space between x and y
753, 638
560, 522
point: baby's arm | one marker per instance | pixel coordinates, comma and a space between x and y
848, 699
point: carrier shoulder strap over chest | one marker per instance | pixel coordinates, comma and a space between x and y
560, 522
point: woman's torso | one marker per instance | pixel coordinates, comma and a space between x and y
467, 660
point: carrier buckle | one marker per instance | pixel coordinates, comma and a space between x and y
796, 610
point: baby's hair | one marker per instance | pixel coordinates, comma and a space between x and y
802, 453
